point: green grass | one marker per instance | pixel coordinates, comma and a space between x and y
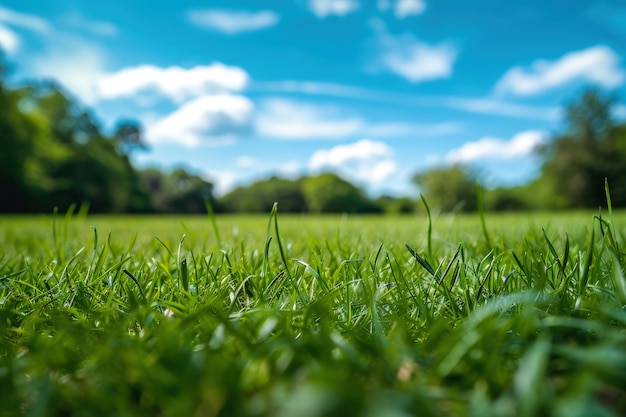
510, 315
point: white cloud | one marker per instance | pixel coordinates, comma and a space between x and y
325, 8
287, 119
598, 64
294, 120
232, 23
9, 41
365, 161
209, 120
406, 8
412, 59
363, 150
223, 181
24, 20
175, 83
380, 172
100, 28
75, 64
521, 145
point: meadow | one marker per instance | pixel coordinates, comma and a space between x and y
275, 315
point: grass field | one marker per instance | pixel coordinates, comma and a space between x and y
313, 316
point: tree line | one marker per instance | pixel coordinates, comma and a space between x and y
54, 155
575, 164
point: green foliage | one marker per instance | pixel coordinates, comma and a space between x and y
576, 163
177, 191
28, 153
312, 316
450, 188
54, 155
591, 149
327, 193
260, 197
396, 205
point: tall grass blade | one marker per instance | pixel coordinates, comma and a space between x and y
481, 213
132, 277
430, 227
584, 277
181, 264
619, 282
611, 222
313, 272
211, 214
553, 251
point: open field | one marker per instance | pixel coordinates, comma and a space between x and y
313, 316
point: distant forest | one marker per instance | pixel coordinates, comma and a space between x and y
54, 155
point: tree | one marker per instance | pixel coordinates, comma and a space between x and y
129, 136
93, 170
327, 193
449, 188
259, 197
189, 192
28, 153
396, 205
591, 149
55, 155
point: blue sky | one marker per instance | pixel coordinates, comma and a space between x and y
374, 91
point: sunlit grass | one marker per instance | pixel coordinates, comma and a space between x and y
310, 316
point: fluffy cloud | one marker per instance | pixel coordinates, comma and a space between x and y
406, 8
417, 61
76, 64
27, 21
209, 120
361, 151
410, 58
365, 161
598, 64
232, 23
223, 181
9, 41
521, 145
287, 119
175, 83
324, 8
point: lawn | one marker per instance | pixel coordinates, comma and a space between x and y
313, 316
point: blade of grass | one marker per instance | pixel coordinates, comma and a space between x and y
481, 214
211, 214
430, 227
